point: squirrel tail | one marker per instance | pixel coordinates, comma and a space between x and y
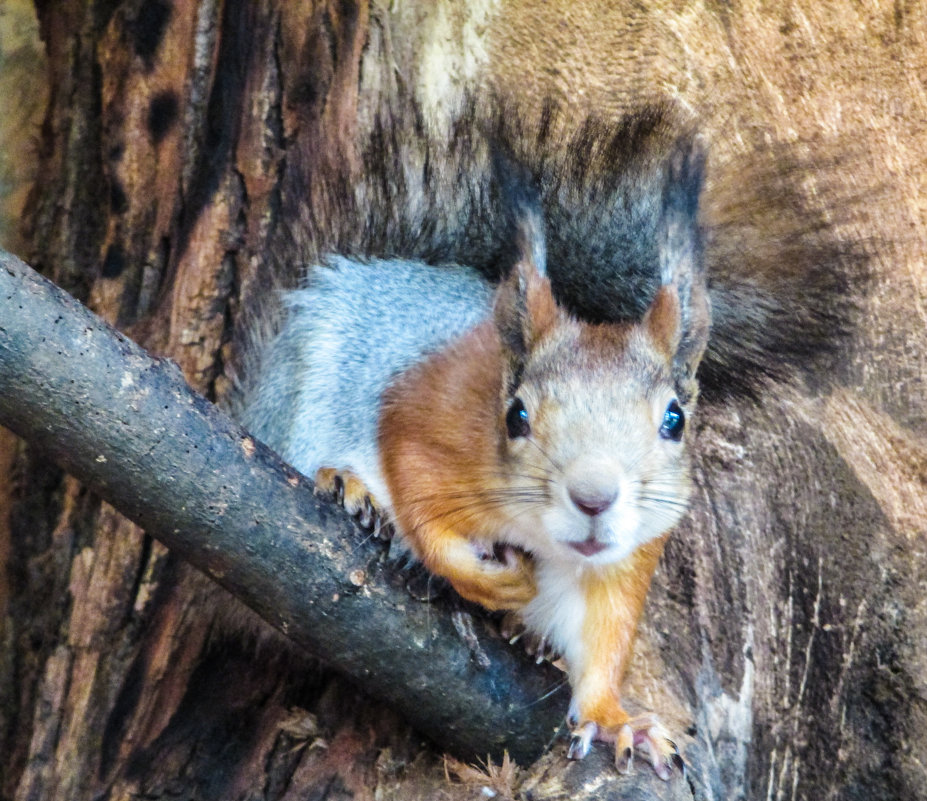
785, 286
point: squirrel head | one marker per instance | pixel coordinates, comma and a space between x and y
592, 424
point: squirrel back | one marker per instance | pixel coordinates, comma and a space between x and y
352, 327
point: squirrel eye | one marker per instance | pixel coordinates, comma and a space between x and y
674, 421
516, 420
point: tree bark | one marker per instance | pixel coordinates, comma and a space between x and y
132, 431
193, 152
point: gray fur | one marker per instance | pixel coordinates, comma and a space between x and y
344, 337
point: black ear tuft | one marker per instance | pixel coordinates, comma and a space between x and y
685, 176
520, 199
681, 259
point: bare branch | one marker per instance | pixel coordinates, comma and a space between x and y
130, 427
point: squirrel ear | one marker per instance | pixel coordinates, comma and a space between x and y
524, 306
680, 316
663, 320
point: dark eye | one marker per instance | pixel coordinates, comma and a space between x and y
516, 420
674, 421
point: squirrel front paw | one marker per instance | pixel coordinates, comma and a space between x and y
501, 581
643, 735
350, 492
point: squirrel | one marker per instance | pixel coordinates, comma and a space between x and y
535, 460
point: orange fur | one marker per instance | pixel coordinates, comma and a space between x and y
615, 598
663, 321
541, 306
438, 443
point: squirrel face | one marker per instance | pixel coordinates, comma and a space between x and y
535, 429
595, 434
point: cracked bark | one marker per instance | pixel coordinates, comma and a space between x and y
785, 627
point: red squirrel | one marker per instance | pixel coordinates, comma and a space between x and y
535, 461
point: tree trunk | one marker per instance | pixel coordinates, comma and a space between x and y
191, 151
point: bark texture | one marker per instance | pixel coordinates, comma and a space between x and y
135, 434
191, 151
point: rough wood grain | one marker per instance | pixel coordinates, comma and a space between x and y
785, 630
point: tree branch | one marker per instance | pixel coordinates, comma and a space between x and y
130, 427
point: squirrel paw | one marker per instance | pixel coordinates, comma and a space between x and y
495, 580
351, 493
643, 735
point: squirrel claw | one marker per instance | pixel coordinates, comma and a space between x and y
367, 517
646, 736
383, 529
643, 736
543, 651
624, 749
339, 490
352, 494
581, 741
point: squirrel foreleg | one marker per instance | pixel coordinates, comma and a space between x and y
475, 573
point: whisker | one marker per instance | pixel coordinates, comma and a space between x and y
477, 492
495, 495
633, 460
664, 513
661, 477
541, 475
548, 694
669, 494
367, 537
544, 453
651, 502
472, 509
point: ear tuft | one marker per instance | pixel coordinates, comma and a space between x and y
520, 195
682, 269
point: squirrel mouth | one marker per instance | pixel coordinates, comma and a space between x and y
588, 547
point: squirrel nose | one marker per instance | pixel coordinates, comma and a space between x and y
593, 482
593, 503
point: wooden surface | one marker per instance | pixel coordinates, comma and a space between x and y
784, 638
